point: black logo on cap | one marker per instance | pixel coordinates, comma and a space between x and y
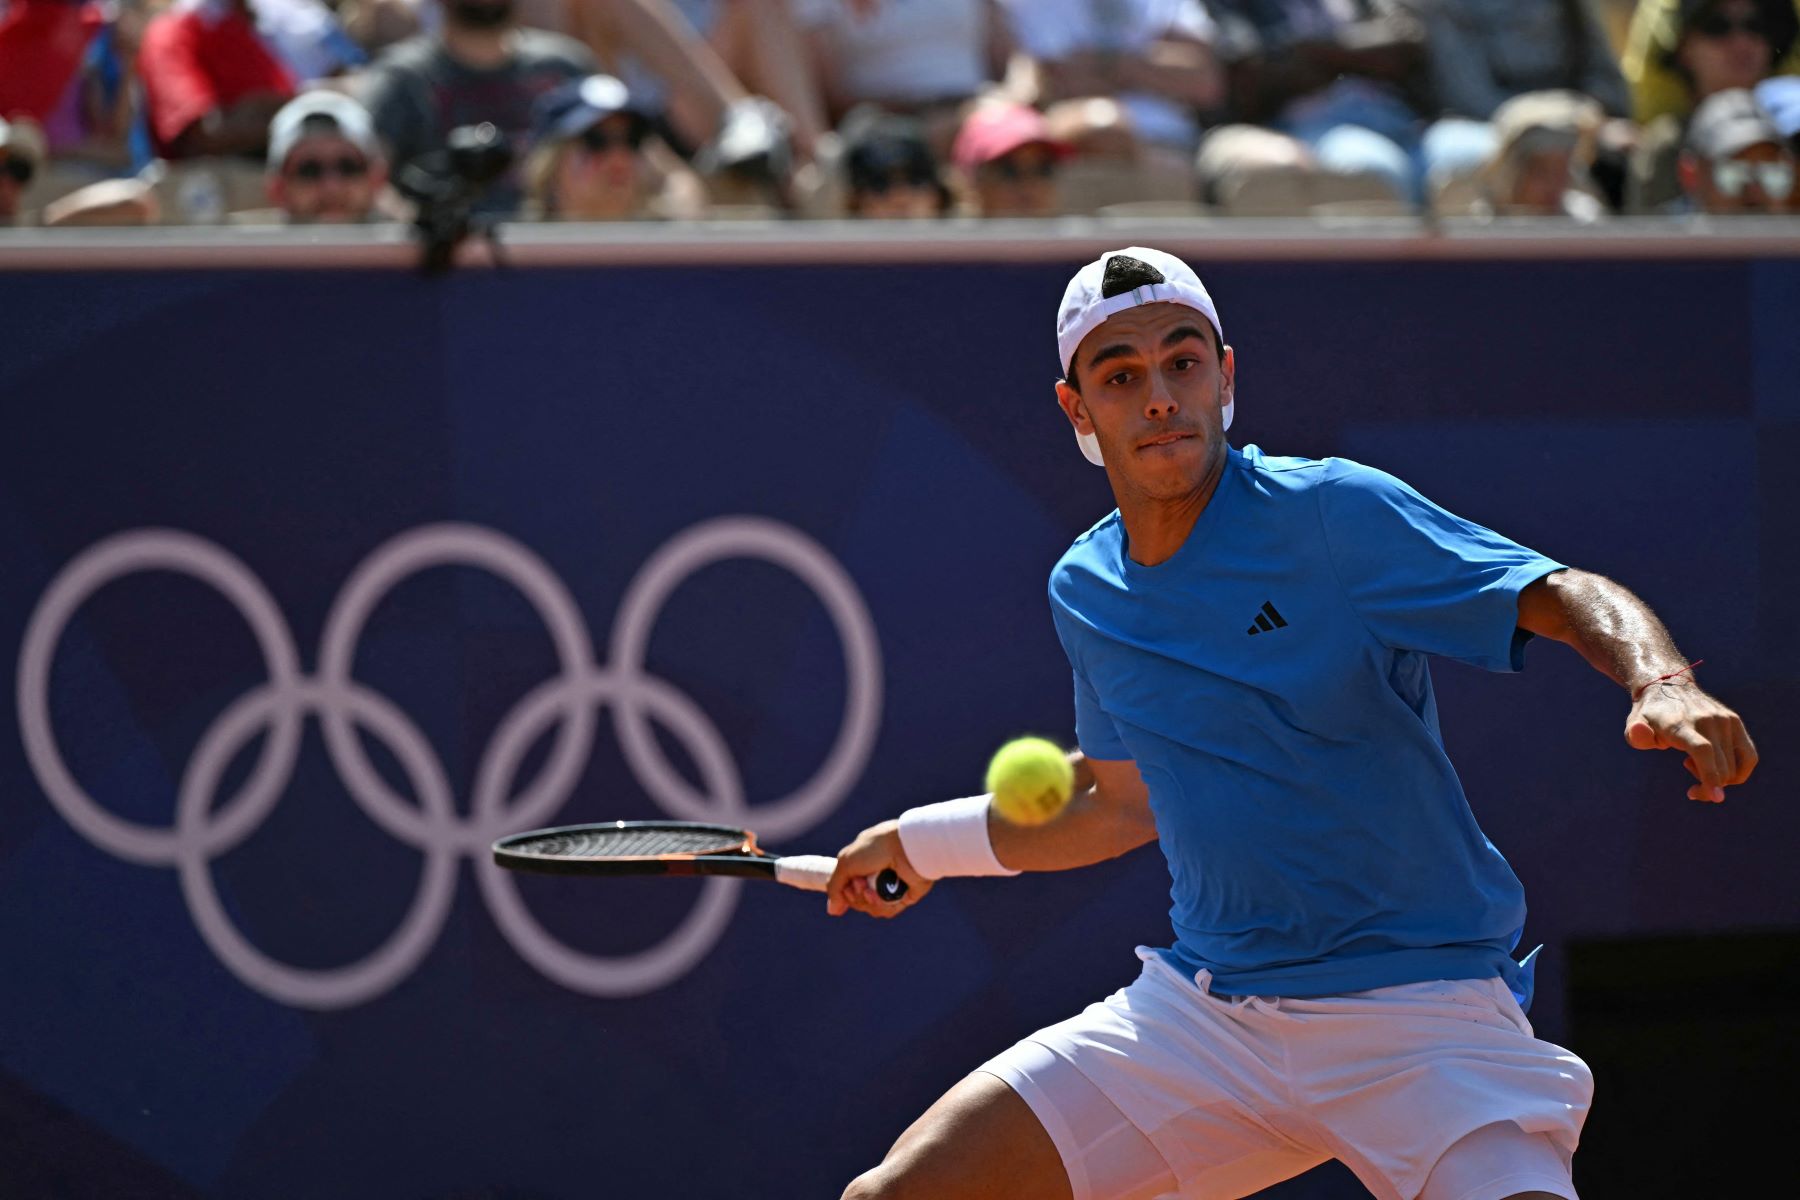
1127, 274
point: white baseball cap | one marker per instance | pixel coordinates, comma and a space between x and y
1122, 279
321, 111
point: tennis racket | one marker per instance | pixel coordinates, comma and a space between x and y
670, 848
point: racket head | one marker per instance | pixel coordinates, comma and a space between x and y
634, 848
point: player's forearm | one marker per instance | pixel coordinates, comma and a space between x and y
1608, 625
1093, 828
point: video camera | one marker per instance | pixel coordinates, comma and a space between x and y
444, 185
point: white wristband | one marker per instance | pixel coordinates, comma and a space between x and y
950, 838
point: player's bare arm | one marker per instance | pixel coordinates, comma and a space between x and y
1108, 815
1617, 633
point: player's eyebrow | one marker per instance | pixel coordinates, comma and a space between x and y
1120, 350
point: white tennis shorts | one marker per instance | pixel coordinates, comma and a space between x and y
1435, 1090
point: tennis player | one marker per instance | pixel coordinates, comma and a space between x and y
1249, 636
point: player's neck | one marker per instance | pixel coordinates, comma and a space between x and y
1157, 527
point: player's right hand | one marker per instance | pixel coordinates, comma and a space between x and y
874, 850
1678, 715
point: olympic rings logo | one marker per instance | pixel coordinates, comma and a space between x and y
203, 829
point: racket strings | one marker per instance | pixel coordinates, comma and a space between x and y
628, 843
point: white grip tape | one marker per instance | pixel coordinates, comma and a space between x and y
950, 838
809, 871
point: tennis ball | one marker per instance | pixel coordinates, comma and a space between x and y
1031, 780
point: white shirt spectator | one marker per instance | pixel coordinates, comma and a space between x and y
906, 51
1051, 30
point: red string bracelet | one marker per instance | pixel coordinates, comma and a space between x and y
1665, 678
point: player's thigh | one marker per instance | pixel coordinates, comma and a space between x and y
1500, 1162
980, 1141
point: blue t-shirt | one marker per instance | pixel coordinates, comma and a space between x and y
1270, 681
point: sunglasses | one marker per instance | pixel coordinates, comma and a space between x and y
1718, 25
1012, 172
19, 170
598, 141
311, 170
1775, 178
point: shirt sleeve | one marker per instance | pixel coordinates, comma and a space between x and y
1421, 578
1190, 19
177, 89
399, 114
1044, 29
1460, 69
1095, 732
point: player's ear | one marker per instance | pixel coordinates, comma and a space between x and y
1228, 372
1073, 406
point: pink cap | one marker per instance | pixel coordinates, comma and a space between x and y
998, 128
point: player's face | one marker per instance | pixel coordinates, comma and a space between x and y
1153, 393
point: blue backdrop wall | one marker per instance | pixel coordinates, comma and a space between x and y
312, 581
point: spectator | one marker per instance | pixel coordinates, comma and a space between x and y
1780, 98
1669, 79
325, 162
1544, 146
42, 45
210, 81
1347, 79
1736, 161
926, 58
761, 43
1484, 52
891, 172
1154, 56
308, 38
479, 67
687, 61
100, 122
597, 157
1709, 46
21, 157
1009, 159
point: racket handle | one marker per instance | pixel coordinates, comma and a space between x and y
813, 873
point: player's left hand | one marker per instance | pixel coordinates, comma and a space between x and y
1678, 715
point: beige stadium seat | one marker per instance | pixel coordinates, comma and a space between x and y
1275, 191
1087, 187
1458, 196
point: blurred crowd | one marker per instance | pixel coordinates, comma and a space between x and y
122, 112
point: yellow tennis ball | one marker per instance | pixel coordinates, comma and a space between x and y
1031, 780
